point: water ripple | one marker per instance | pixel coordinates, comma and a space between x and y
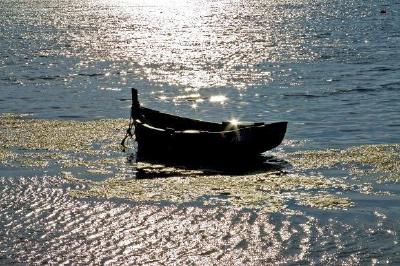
41, 223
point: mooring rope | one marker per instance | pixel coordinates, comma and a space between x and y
129, 134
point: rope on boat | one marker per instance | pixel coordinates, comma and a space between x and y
128, 134
134, 113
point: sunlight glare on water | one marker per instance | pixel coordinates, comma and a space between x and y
328, 195
191, 43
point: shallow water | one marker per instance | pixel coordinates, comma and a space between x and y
328, 194
74, 198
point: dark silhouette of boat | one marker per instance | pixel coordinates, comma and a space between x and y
160, 135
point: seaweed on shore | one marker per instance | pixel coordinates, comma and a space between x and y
382, 160
90, 148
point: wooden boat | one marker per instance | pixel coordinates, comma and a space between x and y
161, 135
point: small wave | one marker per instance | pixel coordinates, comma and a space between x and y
391, 86
125, 100
381, 69
305, 95
91, 74
393, 125
353, 90
44, 77
350, 130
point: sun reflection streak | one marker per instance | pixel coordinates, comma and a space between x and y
218, 99
234, 122
191, 43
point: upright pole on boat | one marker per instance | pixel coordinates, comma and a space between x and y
135, 103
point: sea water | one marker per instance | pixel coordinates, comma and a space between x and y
329, 68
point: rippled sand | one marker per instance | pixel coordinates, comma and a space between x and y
68, 196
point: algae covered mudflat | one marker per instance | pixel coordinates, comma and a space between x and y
87, 152
68, 191
364, 159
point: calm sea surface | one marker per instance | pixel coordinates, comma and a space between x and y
330, 68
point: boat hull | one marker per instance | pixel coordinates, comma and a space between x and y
197, 144
165, 136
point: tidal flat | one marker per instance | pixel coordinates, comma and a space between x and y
69, 195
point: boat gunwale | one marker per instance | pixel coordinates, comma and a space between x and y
235, 128
195, 131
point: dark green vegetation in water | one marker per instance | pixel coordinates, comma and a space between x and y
88, 154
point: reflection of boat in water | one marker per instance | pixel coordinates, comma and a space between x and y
161, 135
